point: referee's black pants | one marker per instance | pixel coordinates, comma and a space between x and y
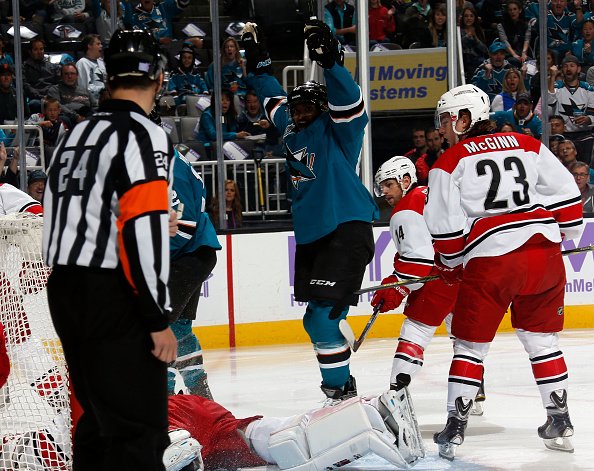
120, 385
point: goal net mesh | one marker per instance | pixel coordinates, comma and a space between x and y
35, 415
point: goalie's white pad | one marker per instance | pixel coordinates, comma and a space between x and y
332, 437
39, 369
182, 451
43, 450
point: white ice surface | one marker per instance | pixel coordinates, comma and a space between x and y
284, 380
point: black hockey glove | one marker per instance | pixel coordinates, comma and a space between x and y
256, 54
335, 312
323, 47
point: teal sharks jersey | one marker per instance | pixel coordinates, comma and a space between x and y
322, 158
194, 228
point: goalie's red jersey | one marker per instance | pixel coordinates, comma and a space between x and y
216, 429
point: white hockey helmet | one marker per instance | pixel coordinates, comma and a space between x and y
396, 167
464, 97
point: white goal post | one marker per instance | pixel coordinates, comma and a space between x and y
35, 412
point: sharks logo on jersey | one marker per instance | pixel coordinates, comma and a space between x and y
572, 109
300, 165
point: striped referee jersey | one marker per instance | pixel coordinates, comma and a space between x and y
106, 200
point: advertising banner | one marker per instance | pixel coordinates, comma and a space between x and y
408, 79
579, 268
251, 286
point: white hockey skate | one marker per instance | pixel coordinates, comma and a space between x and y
558, 428
452, 435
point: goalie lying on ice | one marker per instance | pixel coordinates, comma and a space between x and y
206, 436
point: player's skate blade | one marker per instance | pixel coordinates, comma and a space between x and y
450, 437
453, 433
477, 406
558, 428
555, 433
447, 451
559, 444
477, 409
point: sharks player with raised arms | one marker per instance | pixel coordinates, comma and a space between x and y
332, 210
499, 206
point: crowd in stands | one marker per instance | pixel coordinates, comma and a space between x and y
500, 56
64, 75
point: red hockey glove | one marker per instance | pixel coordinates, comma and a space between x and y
391, 297
450, 276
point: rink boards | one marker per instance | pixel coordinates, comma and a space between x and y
248, 298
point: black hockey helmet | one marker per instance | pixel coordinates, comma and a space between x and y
312, 92
134, 53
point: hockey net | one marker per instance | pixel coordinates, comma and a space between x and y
35, 415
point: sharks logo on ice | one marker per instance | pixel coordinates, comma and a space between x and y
300, 165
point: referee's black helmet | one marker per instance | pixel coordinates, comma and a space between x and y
134, 54
312, 92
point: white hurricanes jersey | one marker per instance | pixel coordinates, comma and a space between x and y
414, 247
13, 200
489, 194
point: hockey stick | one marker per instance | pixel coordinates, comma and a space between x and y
425, 279
587, 248
349, 335
312, 7
347, 331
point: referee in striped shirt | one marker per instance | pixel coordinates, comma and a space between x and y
106, 235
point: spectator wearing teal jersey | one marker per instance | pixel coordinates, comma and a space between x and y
341, 17
232, 70
157, 17
521, 117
